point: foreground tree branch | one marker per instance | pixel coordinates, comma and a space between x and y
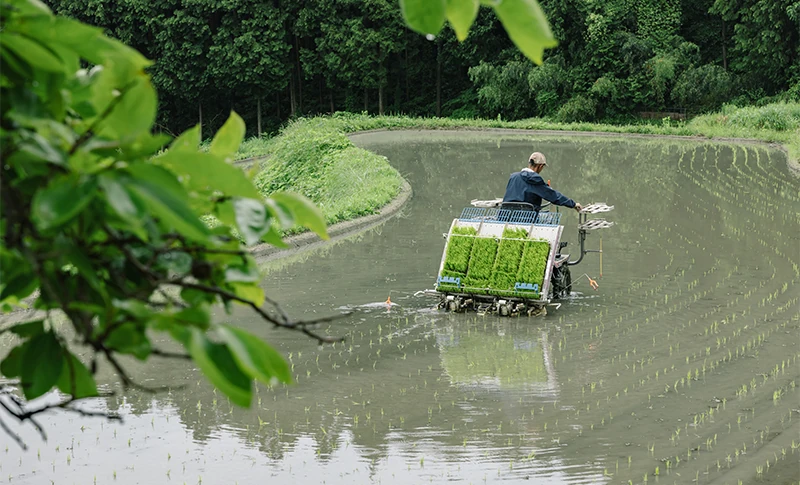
101, 217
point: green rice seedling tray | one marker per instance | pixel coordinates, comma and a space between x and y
505, 260
459, 248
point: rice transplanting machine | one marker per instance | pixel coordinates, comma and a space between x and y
507, 259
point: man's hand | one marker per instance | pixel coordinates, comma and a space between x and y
578, 207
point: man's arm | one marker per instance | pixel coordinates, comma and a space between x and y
550, 194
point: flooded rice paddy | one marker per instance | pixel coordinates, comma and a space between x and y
682, 368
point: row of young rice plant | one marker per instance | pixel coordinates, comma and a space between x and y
699, 357
661, 309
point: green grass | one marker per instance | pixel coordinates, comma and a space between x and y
777, 122
316, 159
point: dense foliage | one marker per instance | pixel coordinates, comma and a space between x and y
101, 229
273, 60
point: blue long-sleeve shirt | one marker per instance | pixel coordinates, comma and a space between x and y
528, 186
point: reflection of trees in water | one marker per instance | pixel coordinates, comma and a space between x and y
410, 395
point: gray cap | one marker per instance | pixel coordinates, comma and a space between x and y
537, 158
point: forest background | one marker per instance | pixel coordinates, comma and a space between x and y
271, 61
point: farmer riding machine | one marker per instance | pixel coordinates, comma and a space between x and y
506, 258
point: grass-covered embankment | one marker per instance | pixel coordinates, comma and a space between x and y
778, 123
315, 158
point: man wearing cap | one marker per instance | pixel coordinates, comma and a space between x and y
528, 186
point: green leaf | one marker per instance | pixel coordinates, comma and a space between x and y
228, 139
205, 171
527, 26
196, 315
129, 338
161, 193
61, 201
242, 274
135, 308
250, 292
196, 297
424, 16
274, 237
143, 146
20, 286
188, 140
120, 200
135, 113
28, 329
252, 219
42, 362
280, 212
179, 263
255, 357
304, 211
77, 257
12, 364
219, 365
75, 379
32, 52
461, 14
30, 7
36, 148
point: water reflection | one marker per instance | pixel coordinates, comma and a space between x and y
699, 296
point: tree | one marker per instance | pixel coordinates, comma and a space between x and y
105, 225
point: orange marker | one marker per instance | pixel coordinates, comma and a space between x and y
389, 300
593, 284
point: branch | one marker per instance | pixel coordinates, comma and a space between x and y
21, 415
170, 355
285, 322
127, 381
14, 436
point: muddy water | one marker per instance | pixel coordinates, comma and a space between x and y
681, 367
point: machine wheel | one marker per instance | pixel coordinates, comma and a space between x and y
504, 310
561, 281
451, 306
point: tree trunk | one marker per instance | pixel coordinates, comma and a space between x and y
438, 79
258, 117
380, 99
405, 71
278, 104
330, 92
724, 50
299, 73
200, 123
319, 107
366, 100
292, 100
